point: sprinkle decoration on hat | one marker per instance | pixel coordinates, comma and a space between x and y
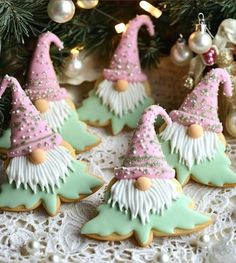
201, 105
125, 63
144, 156
28, 131
42, 82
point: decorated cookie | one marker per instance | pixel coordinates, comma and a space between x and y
145, 199
53, 102
194, 144
41, 168
121, 97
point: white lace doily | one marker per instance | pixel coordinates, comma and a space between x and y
61, 234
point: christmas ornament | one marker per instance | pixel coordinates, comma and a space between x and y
209, 58
87, 4
194, 144
161, 209
30, 183
79, 67
230, 123
180, 53
61, 11
124, 92
73, 65
189, 81
200, 41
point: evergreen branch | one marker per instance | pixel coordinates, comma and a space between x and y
21, 19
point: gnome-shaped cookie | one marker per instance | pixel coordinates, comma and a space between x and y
53, 102
41, 168
194, 144
121, 97
144, 199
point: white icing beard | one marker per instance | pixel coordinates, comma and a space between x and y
121, 102
142, 203
191, 151
57, 113
46, 175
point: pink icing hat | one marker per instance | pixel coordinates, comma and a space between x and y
201, 105
125, 63
41, 80
144, 156
28, 131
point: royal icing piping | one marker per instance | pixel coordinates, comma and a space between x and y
191, 150
215, 172
121, 102
47, 175
102, 116
59, 111
143, 203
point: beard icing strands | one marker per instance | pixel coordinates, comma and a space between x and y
124, 93
194, 143
52, 101
144, 199
41, 168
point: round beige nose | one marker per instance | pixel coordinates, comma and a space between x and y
121, 85
37, 156
41, 105
143, 183
195, 131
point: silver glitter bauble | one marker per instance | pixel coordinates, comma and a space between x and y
32, 247
87, 4
61, 11
200, 41
180, 54
230, 123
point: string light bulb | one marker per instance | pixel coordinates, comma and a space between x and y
154, 11
87, 4
120, 28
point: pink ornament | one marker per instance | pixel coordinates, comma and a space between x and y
209, 58
28, 131
144, 157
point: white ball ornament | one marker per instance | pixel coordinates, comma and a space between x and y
61, 11
87, 4
200, 41
73, 65
180, 54
230, 123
